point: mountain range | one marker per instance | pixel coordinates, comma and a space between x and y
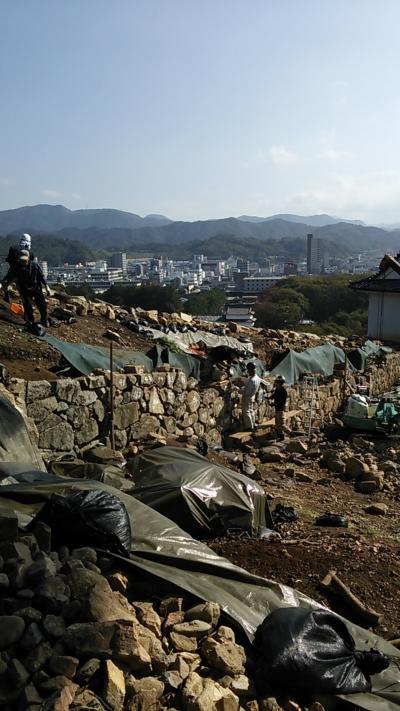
53, 218
311, 220
112, 230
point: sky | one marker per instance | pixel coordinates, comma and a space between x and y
201, 109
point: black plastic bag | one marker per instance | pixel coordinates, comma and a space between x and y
284, 514
332, 519
37, 329
87, 518
312, 650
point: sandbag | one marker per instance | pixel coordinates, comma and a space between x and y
87, 518
313, 650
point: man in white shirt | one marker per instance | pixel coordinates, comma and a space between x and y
249, 395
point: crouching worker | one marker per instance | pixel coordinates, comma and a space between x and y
30, 282
279, 397
249, 395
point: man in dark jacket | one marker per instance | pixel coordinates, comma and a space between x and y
30, 281
279, 397
15, 251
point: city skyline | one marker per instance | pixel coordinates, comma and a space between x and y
199, 111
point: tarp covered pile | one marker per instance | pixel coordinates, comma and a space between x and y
360, 356
204, 498
321, 359
85, 359
162, 550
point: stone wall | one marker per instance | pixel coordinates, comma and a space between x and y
381, 377
69, 414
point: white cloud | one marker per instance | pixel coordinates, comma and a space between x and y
333, 154
369, 196
281, 155
49, 193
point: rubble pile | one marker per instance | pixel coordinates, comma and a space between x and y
278, 339
74, 635
371, 465
80, 306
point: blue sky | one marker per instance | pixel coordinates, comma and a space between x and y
202, 108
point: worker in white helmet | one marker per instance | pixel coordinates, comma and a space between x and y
15, 251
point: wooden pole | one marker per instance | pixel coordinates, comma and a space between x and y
112, 435
333, 583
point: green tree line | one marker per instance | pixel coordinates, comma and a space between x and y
326, 300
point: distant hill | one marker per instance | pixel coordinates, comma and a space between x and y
312, 220
53, 218
353, 237
112, 230
224, 246
184, 232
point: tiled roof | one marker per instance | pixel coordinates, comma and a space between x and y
377, 282
377, 285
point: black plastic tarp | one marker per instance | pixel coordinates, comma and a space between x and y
321, 359
86, 359
203, 498
96, 471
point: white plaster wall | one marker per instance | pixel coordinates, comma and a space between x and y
384, 317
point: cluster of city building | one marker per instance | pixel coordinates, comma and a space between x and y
242, 280
200, 272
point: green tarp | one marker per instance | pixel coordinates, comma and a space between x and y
189, 364
163, 551
15, 443
210, 340
360, 356
321, 359
86, 358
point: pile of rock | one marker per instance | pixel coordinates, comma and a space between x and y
73, 635
372, 465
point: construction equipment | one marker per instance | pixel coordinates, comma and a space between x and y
381, 417
312, 402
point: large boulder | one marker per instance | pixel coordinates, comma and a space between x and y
355, 468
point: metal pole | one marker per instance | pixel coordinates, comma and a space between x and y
344, 382
112, 436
